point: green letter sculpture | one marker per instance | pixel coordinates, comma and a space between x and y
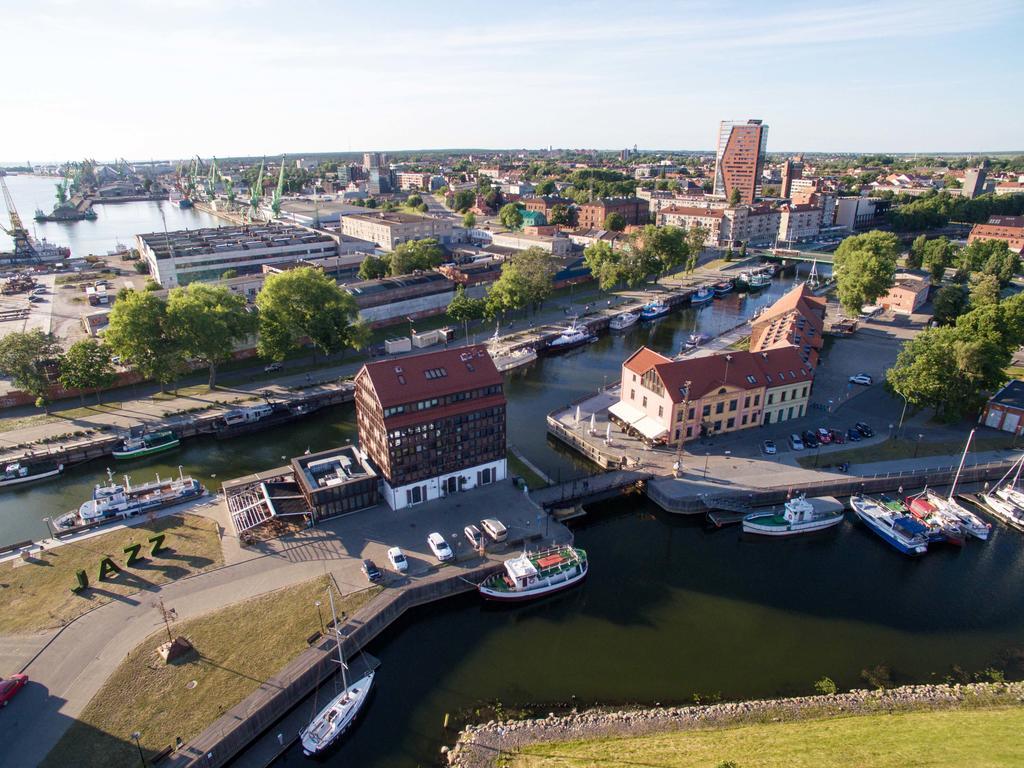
157, 542
107, 568
132, 550
83, 581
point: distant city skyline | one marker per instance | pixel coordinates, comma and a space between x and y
239, 77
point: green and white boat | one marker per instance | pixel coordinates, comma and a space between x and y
800, 515
146, 444
535, 574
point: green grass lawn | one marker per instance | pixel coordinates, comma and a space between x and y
236, 650
980, 738
1015, 372
37, 595
741, 343
518, 467
904, 449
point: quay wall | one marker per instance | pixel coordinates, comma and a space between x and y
77, 450
482, 746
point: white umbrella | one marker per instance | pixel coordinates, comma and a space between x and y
608, 434
593, 424
577, 414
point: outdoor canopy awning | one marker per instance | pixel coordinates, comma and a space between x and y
630, 414
649, 428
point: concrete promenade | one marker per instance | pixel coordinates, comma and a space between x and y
68, 666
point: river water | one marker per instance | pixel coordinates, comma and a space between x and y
114, 223
670, 610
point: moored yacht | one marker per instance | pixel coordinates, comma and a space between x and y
146, 444
507, 359
114, 500
535, 574
623, 320
704, 295
722, 288
572, 337
652, 310
901, 532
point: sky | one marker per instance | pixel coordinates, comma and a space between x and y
160, 79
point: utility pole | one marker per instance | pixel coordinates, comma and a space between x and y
168, 614
682, 430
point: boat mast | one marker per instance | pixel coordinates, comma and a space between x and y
960, 469
337, 640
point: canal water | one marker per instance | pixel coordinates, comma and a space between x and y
114, 223
671, 611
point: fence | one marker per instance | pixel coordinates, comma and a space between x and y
839, 486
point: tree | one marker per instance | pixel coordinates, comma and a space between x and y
695, 239
469, 220
949, 303
86, 365
510, 216
560, 215
917, 252
414, 201
463, 308
208, 321
865, 266
227, 274
743, 250
735, 196
414, 255
984, 291
141, 267
373, 268
23, 358
526, 280
614, 222
546, 187
605, 264
666, 248
302, 304
139, 333
463, 200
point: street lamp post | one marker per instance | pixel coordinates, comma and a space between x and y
320, 616
917, 444
707, 456
906, 401
136, 735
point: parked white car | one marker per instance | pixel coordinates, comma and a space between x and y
861, 378
439, 547
397, 559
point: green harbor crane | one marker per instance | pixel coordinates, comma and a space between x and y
255, 195
275, 204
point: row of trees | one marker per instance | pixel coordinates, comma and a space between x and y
949, 368
650, 251
198, 324
405, 258
936, 210
526, 282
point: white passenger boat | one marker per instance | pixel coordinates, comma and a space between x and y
623, 320
18, 473
115, 500
337, 717
535, 574
508, 359
798, 516
572, 337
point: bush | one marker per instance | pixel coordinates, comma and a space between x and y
826, 686
878, 676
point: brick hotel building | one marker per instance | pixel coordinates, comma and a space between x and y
432, 424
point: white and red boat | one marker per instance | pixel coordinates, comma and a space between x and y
535, 574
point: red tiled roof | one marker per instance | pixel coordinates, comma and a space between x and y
740, 370
779, 325
404, 380
644, 359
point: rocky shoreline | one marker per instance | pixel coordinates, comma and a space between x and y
481, 746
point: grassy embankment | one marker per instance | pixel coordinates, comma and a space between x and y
516, 466
37, 594
905, 449
236, 650
982, 738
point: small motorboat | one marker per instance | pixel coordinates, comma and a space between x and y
695, 340
623, 320
652, 310
704, 295
722, 288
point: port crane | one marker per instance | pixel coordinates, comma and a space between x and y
255, 195
275, 203
23, 247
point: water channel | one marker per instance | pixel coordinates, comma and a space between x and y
670, 609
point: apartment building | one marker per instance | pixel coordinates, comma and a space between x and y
714, 221
186, 256
1009, 229
799, 222
669, 401
592, 215
739, 159
433, 425
408, 180
389, 230
556, 245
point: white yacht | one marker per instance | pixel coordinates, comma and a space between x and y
623, 320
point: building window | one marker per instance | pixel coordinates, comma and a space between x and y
645, 401
689, 431
706, 410
730, 423
746, 401
790, 412
632, 394
661, 411
733, 404
485, 476
771, 398
757, 399
804, 393
720, 408
744, 421
718, 426
690, 414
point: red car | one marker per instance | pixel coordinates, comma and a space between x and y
838, 436
824, 436
11, 686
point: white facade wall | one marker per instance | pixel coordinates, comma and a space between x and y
556, 246
433, 488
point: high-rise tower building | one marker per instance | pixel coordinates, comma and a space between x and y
740, 158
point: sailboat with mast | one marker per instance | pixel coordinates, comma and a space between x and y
969, 521
339, 714
1006, 500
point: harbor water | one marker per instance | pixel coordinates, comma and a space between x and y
671, 611
114, 223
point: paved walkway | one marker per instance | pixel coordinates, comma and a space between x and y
68, 667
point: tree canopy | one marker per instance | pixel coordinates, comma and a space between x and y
140, 334
526, 280
510, 216
208, 321
86, 365
415, 255
865, 266
373, 268
303, 304
615, 222
23, 358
